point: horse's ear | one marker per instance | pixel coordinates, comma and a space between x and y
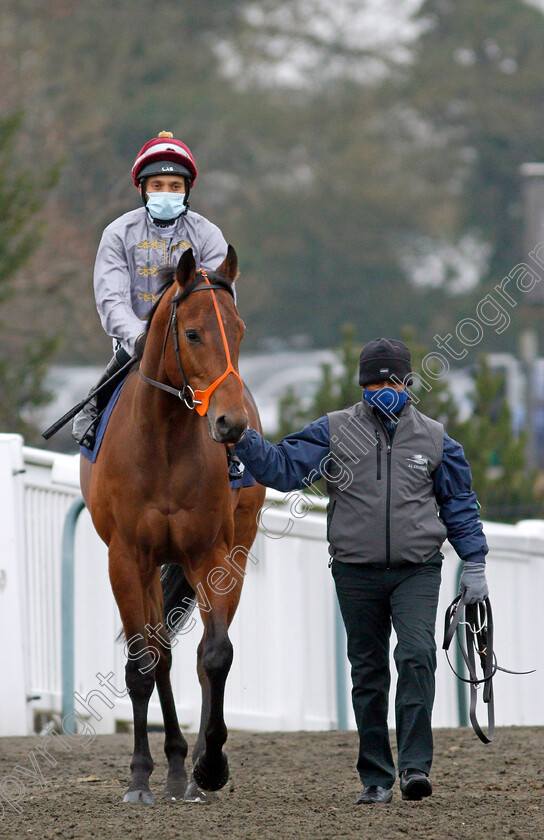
186, 268
229, 266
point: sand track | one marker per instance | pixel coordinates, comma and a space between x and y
283, 786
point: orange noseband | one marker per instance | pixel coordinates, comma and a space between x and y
194, 399
202, 398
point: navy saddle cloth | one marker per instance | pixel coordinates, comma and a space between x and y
246, 480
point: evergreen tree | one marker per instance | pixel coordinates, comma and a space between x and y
505, 490
337, 388
291, 413
431, 396
496, 456
23, 359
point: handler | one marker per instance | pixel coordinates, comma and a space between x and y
137, 245
398, 486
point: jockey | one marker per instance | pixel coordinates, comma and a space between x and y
136, 246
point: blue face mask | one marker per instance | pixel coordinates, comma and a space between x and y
165, 205
387, 400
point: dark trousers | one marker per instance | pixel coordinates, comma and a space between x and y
372, 598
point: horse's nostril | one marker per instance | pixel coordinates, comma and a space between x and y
222, 425
230, 430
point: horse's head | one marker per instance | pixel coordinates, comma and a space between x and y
203, 350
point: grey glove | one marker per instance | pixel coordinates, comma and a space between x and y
472, 583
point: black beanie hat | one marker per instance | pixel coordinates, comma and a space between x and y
382, 358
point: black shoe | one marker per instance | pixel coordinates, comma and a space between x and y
84, 425
375, 793
415, 785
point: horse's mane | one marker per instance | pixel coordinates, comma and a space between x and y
167, 276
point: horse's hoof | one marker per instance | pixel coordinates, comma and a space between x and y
195, 794
136, 796
211, 781
174, 790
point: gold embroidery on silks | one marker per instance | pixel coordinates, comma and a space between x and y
182, 244
148, 297
154, 270
155, 245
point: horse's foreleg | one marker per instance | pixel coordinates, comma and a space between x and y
140, 682
193, 792
175, 745
133, 602
200, 743
211, 770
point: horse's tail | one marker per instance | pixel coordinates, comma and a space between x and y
178, 596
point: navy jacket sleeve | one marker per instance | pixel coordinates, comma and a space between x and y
458, 504
293, 463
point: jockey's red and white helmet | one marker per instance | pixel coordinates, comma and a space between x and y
154, 157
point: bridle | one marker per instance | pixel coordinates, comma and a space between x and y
478, 624
198, 400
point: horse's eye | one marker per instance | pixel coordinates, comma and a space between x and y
192, 336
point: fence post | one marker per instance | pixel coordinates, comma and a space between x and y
340, 667
13, 601
462, 704
67, 607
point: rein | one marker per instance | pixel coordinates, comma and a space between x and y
198, 400
478, 623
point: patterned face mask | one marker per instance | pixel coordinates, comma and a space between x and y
387, 400
165, 205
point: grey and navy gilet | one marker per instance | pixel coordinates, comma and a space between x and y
383, 509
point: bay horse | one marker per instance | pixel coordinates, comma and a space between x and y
159, 494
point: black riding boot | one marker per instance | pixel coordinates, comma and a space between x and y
84, 423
